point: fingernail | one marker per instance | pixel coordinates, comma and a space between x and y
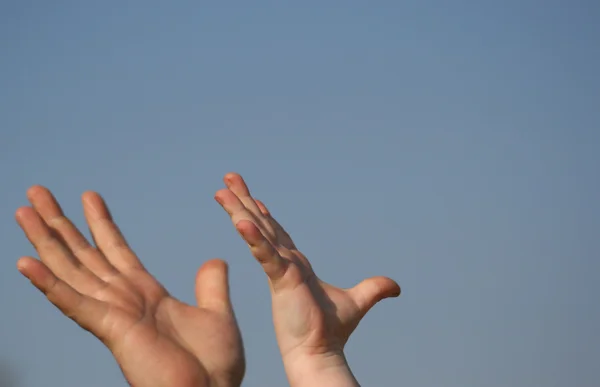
21, 268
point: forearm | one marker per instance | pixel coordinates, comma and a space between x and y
330, 370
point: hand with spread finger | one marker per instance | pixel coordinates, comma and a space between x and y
157, 340
313, 320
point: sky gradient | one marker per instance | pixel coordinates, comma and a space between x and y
453, 146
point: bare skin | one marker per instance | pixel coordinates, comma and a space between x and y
157, 340
313, 320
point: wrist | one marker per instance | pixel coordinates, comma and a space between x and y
328, 369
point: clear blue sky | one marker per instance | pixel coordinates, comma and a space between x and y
454, 146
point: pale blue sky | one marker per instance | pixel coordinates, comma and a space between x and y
453, 146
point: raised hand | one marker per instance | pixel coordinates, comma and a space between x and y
157, 340
313, 320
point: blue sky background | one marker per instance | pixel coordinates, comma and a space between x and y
453, 146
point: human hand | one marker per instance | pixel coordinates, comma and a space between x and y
157, 340
313, 320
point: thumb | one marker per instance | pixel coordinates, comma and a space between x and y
372, 290
212, 285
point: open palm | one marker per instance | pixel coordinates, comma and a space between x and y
310, 316
156, 339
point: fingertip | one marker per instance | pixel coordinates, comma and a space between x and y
246, 227
26, 266
390, 288
21, 212
22, 265
94, 205
89, 197
212, 285
36, 190
230, 177
235, 182
262, 207
220, 195
215, 264
250, 233
372, 290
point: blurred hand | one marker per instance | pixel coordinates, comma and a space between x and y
157, 340
313, 320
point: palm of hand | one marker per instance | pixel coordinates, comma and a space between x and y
157, 340
310, 316
178, 344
